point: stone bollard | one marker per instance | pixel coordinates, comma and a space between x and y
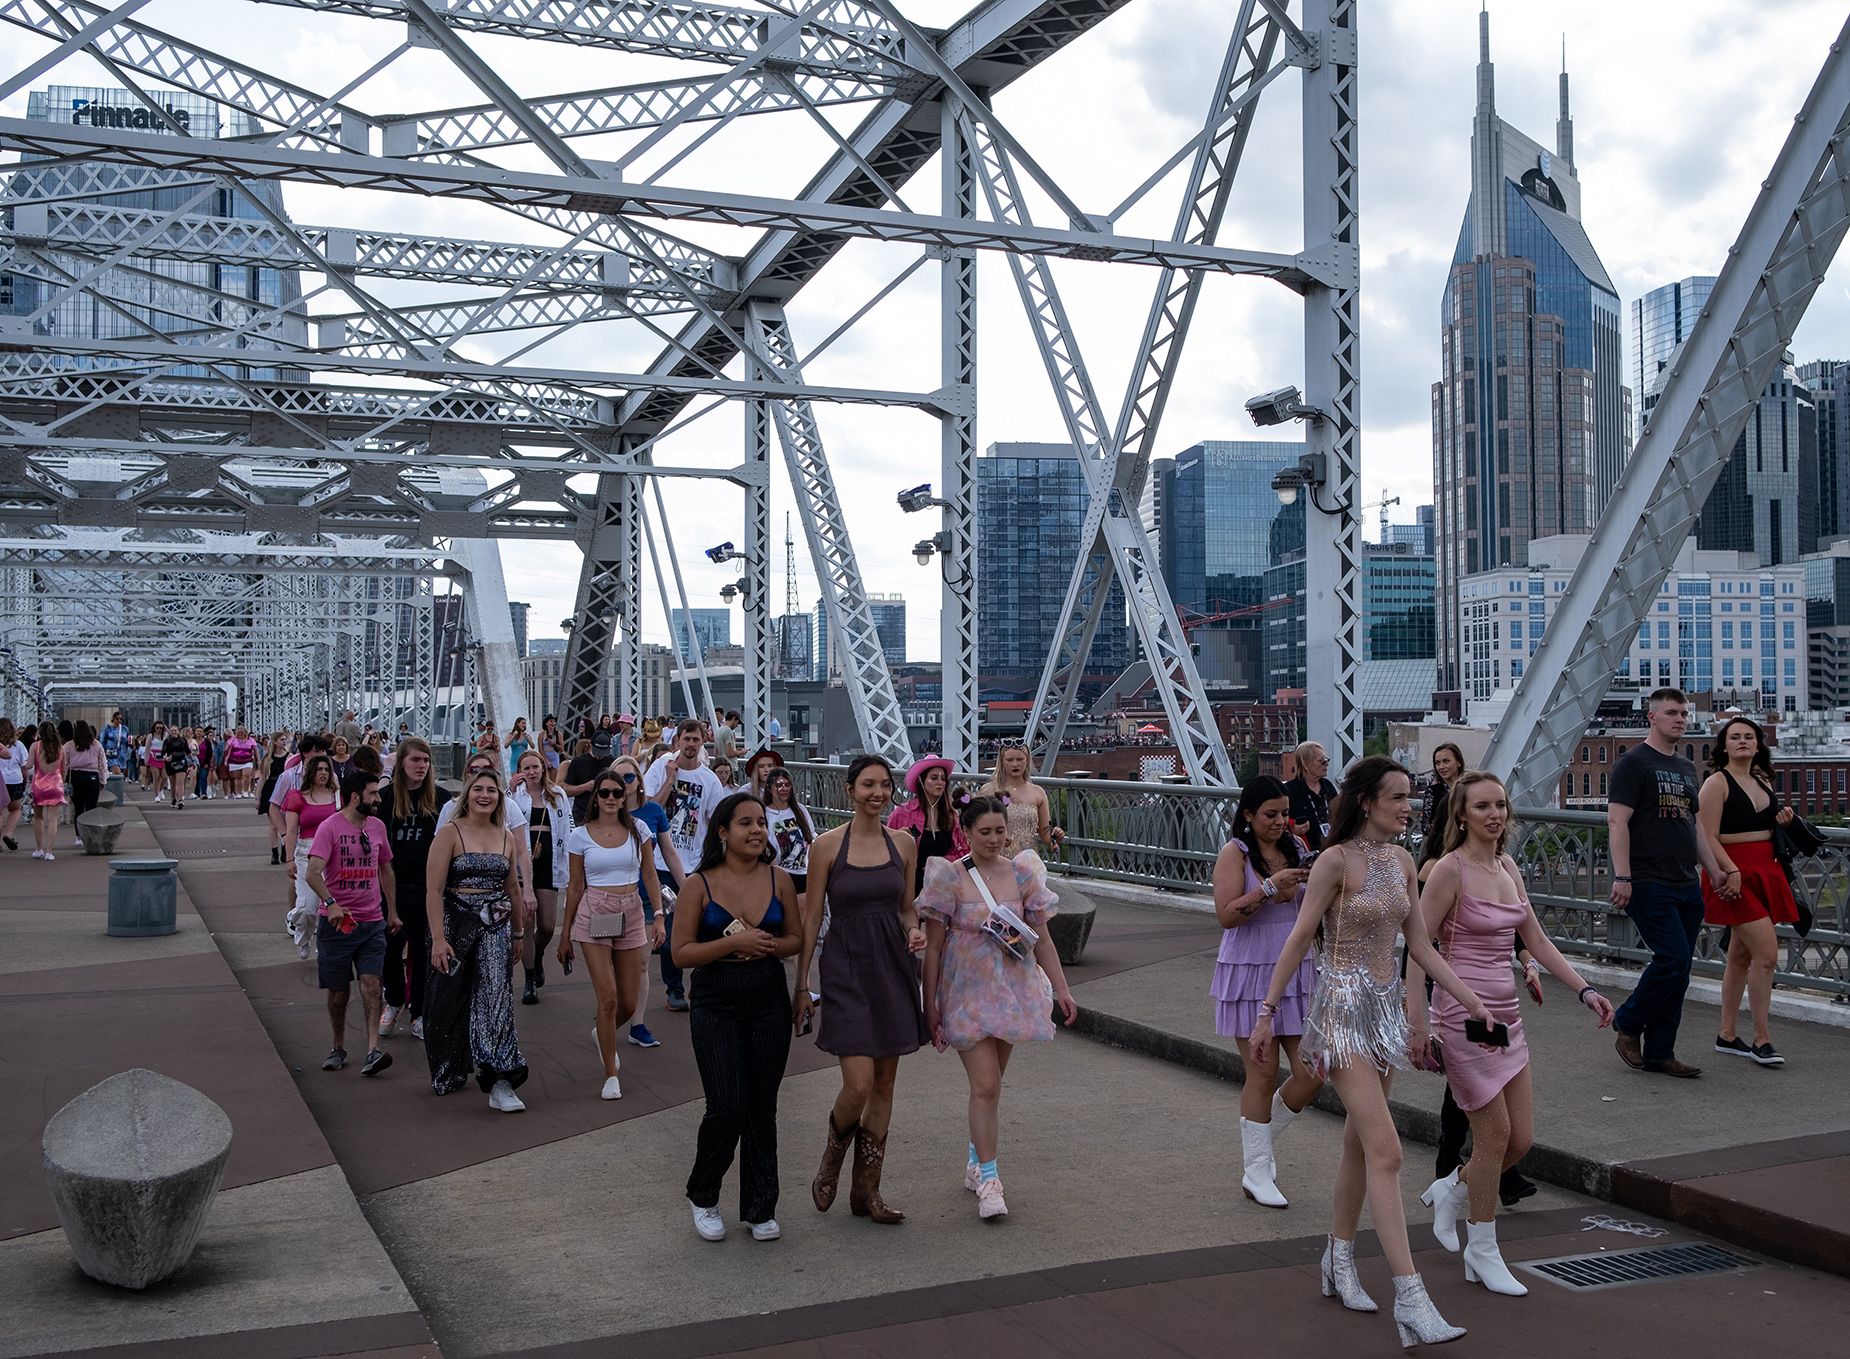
105, 798
113, 786
143, 897
99, 830
132, 1166
1072, 926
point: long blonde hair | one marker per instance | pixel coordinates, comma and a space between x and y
1458, 796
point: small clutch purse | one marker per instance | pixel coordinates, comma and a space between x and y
1433, 1057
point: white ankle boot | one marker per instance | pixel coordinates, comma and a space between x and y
1484, 1262
1447, 1199
1258, 1182
1282, 1115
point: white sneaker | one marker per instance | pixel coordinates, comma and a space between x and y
973, 1177
768, 1230
708, 1222
989, 1200
388, 1020
613, 1088
49, 856
502, 1099
38, 854
417, 1028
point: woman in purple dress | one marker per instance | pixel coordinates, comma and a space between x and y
1475, 901
1258, 881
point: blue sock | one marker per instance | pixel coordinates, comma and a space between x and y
987, 1169
973, 1160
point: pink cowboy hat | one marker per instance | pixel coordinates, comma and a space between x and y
921, 767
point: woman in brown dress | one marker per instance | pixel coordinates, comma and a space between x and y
870, 977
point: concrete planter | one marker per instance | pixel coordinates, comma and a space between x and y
1070, 930
132, 1166
143, 897
99, 830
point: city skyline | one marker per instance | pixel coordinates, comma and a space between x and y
1666, 195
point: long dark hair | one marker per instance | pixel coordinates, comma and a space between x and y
48, 741
713, 852
82, 735
310, 765
1457, 754
802, 813
979, 805
408, 802
1763, 760
1253, 796
1359, 785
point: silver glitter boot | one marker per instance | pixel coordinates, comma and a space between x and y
1415, 1317
1339, 1277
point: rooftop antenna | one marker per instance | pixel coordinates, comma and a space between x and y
792, 605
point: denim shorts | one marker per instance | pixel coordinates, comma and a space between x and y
342, 957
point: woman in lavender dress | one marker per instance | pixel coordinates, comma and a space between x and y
1258, 881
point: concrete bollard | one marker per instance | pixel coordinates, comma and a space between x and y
113, 786
143, 897
132, 1166
99, 830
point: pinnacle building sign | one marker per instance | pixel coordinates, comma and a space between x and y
89, 113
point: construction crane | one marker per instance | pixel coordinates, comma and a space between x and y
1383, 505
1193, 621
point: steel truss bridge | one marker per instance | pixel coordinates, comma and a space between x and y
277, 488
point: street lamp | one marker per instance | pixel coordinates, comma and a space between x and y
1308, 474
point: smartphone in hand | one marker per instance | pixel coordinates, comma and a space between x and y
1496, 1035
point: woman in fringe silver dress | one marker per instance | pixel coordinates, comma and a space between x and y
476, 917
1360, 895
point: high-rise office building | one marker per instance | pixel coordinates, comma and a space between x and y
823, 664
1030, 507
1770, 494
890, 626
702, 628
520, 610
1418, 534
166, 296
1531, 421
1826, 380
1221, 521
1397, 612
793, 636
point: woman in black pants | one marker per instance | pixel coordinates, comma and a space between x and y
411, 806
735, 923
87, 769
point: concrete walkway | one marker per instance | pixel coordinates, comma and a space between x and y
1758, 1154
369, 1216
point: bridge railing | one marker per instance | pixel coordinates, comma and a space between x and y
1168, 836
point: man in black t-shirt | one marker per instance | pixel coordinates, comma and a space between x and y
581, 772
1311, 794
1656, 850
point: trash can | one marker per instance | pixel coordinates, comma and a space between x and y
143, 897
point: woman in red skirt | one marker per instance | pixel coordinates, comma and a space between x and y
1737, 811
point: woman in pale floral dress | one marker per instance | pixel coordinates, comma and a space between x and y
980, 998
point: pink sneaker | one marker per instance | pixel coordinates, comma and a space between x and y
973, 1178
989, 1200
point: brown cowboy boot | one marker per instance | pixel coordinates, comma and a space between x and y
828, 1175
864, 1197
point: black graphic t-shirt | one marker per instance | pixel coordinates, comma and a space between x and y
1661, 791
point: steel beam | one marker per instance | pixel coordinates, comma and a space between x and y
957, 448
1772, 272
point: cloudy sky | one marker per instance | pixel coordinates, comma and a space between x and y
1679, 108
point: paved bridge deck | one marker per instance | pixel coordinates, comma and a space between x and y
368, 1217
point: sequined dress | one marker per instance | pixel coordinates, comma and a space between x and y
1357, 1014
469, 1013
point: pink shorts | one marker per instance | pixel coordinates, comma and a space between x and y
604, 904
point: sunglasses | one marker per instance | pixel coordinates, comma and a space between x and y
366, 846
609, 794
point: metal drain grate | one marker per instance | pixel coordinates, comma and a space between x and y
1640, 1264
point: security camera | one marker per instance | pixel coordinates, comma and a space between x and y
917, 498
1274, 408
723, 553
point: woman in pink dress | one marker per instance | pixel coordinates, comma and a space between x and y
1476, 902
980, 998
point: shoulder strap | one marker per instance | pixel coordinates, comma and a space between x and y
982, 888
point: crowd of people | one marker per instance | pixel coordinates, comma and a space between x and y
663, 848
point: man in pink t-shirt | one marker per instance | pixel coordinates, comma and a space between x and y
350, 873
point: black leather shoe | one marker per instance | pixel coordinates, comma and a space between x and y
530, 996
1514, 1187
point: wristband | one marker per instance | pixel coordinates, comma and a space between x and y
1531, 966
1582, 997
1267, 886
1621, 877
1267, 1008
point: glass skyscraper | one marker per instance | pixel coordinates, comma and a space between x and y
1825, 380
1030, 507
710, 628
1531, 420
1397, 611
1770, 496
168, 296
1221, 522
